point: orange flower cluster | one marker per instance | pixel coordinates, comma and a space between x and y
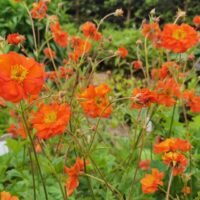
172, 149
179, 38
15, 38
89, 30
73, 173
143, 98
172, 144
59, 36
80, 48
177, 161
192, 101
7, 196
95, 102
151, 182
51, 120
19, 77
39, 10
122, 52
49, 53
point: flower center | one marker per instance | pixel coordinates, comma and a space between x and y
18, 73
179, 34
99, 100
50, 117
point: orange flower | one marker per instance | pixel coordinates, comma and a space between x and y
179, 38
176, 160
167, 92
49, 53
143, 98
89, 30
19, 77
39, 10
152, 32
59, 36
81, 47
122, 52
172, 144
192, 100
52, 75
95, 103
51, 120
151, 182
144, 164
73, 173
15, 38
7, 196
196, 20
186, 190
137, 64
167, 69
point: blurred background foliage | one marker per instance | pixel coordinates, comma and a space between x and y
13, 16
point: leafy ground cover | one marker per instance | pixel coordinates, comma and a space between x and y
85, 115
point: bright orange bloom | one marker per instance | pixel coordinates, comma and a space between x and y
167, 69
59, 36
177, 161
137, 64
49, 53
95, 103
89, 30
172, 144
186, 190
73, 173
179, 38
192, 101
167, 92
7, 196
15, 38
122, 52
144, 164
196, 20
19, 77
52, 75
51, 120
39, 10
142, 98
151, 182
80, 46
152, 32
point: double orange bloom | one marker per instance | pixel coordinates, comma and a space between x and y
94, 101
19, 77
51, 120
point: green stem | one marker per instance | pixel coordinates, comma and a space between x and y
169, 185
35, 154
172, 120
33, 176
